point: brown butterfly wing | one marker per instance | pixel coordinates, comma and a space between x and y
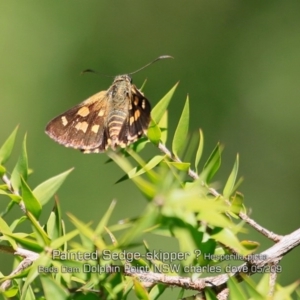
83, 126
138, 119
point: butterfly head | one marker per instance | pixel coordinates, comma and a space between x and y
123, 78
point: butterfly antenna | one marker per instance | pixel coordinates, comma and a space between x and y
95, 72
152, 62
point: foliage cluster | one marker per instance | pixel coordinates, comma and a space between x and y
181, 204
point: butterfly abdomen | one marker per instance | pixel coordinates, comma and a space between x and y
114, 124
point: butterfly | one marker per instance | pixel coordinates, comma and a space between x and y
113, 118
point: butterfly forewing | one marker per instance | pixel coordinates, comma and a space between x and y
81, 127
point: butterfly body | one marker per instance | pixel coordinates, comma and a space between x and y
112, 118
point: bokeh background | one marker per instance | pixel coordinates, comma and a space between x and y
238, 61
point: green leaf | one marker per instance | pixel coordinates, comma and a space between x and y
140, 290
228, 189
236, 291
228, 238
237, 202
87, 232
13, 197
181, 132
104, 220
143, 85
6, 231
182, 166
6, 149
163, 125
285, 292
212, 165
55, 222
41, 235
57, 243
250, 245
154, 133
53, 290
21, 168
145, 187
31, 203
147, 167
2, 171
158, 290
210, 295
160, 108
214, 218
43, 260
146, 221
21, 238
199, 150
48, 188
251, 288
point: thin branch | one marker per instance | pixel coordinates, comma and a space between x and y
263, 262
283, 245
10, 187
269, 234
29, 258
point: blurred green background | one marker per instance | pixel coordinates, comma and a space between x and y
238, 61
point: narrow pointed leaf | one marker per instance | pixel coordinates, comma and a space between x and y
6, 149
163, 125
53, 290
143, 85
154, 133
228, 238
149, 166
236, 291
212, 165
140, 290
181, 132
182, 166
251, 287
2, 171
86, 231
48, 188
199, 150
160, 108
210, 295
57, 243
104, 220
31, 203
41, 234
21, 168
43, 260
6, 231
228, 189
54, 223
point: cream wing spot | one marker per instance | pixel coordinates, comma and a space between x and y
101, 112
137, 114
83, 111
82, 126
95, 128
64, 120
143, 104
131, 120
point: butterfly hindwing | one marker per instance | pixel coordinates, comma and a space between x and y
138, 119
